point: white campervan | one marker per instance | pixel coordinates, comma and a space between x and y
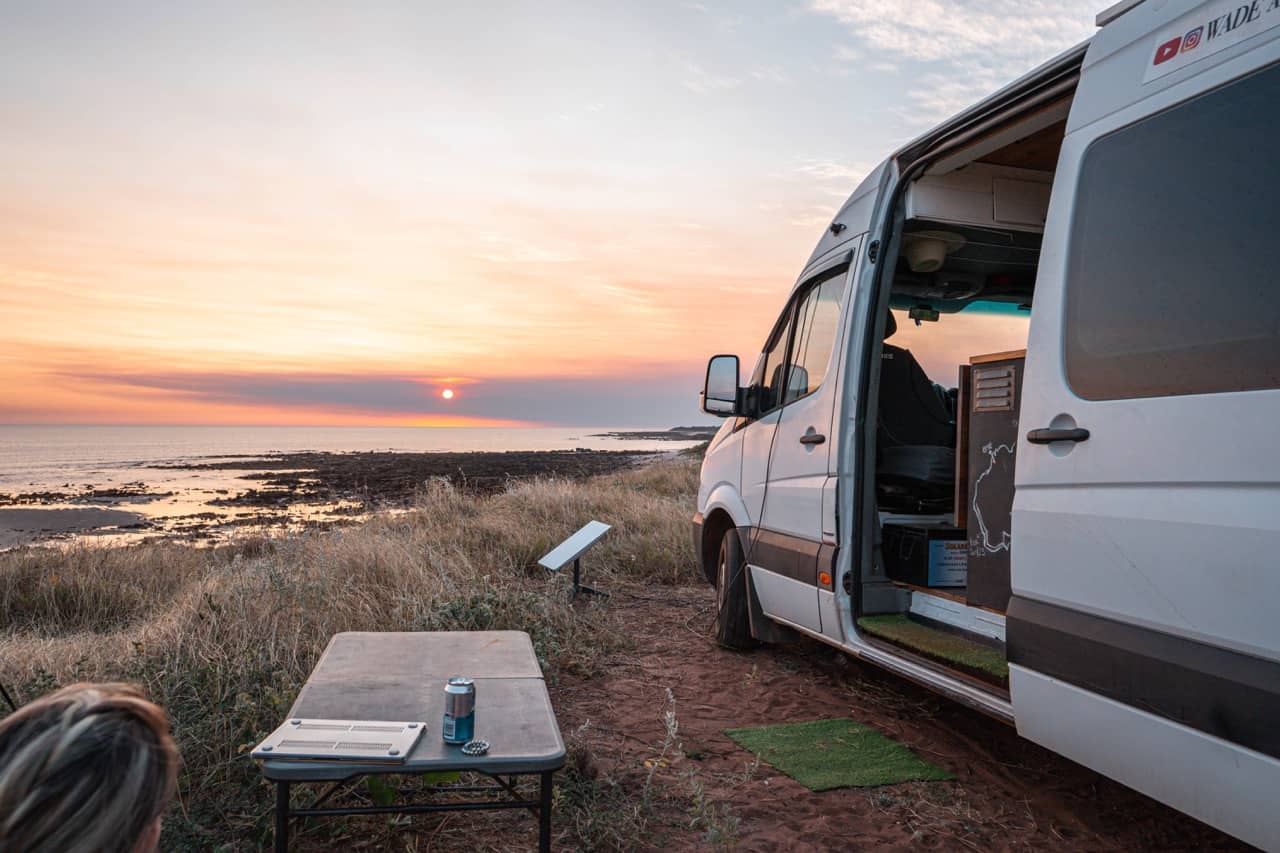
1014, 434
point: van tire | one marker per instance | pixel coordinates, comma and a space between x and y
733, 620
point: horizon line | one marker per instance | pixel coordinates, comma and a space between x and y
352, 426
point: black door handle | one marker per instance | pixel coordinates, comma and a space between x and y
812, 438
1048, 436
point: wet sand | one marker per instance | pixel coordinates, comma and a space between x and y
29, 524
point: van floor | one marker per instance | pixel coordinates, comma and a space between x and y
979, 660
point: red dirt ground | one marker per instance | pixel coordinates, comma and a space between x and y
643, 785
1008, 794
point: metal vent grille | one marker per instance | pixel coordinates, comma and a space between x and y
344, 745
366, 727
335, 740
300, 743
993, 389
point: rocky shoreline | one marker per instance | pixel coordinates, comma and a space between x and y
283, 490
85, 495
680, 433
382, 478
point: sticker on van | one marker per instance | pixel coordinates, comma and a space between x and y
1207, 31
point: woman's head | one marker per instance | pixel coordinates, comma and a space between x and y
91, 767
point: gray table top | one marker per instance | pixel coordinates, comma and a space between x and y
401, 676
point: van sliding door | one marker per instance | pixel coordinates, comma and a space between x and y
1143, 636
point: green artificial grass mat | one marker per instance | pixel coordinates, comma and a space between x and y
826, 754
974, 658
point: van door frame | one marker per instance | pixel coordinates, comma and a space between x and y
857, 515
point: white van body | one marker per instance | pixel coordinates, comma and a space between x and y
1142, 634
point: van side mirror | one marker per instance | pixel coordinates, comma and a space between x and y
720, 396
797, 382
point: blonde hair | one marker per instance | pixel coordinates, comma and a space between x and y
88, 768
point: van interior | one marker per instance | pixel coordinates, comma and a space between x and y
947, 398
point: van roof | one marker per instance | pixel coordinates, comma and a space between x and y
1059, 71
1114, 11
1060, 67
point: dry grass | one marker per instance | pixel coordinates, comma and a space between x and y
224, 637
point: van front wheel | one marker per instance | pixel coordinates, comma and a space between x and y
733, 624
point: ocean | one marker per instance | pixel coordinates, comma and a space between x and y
37, 458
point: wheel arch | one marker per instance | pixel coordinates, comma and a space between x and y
717, 523
724, 509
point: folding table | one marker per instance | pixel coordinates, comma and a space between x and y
401, 676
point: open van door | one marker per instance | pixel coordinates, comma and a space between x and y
794, 547
1143, 632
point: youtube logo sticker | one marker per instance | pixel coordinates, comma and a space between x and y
1168, 50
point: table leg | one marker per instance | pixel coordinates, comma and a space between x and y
544, 815
282, 817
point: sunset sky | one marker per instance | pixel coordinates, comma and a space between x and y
324, 213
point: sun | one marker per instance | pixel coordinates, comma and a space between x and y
447, 393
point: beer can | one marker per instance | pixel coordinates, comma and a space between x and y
459, 710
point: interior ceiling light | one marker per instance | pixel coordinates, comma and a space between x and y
926, 251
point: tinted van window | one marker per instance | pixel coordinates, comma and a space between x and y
1173, 278
818, 322
769, 379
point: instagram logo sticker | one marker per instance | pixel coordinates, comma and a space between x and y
1192, 39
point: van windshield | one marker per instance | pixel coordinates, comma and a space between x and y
942, 346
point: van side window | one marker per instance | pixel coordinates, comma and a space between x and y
1172, 285
768, 382
817, 323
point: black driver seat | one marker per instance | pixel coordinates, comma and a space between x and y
915, 436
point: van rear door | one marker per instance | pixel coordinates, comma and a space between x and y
1143, 636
